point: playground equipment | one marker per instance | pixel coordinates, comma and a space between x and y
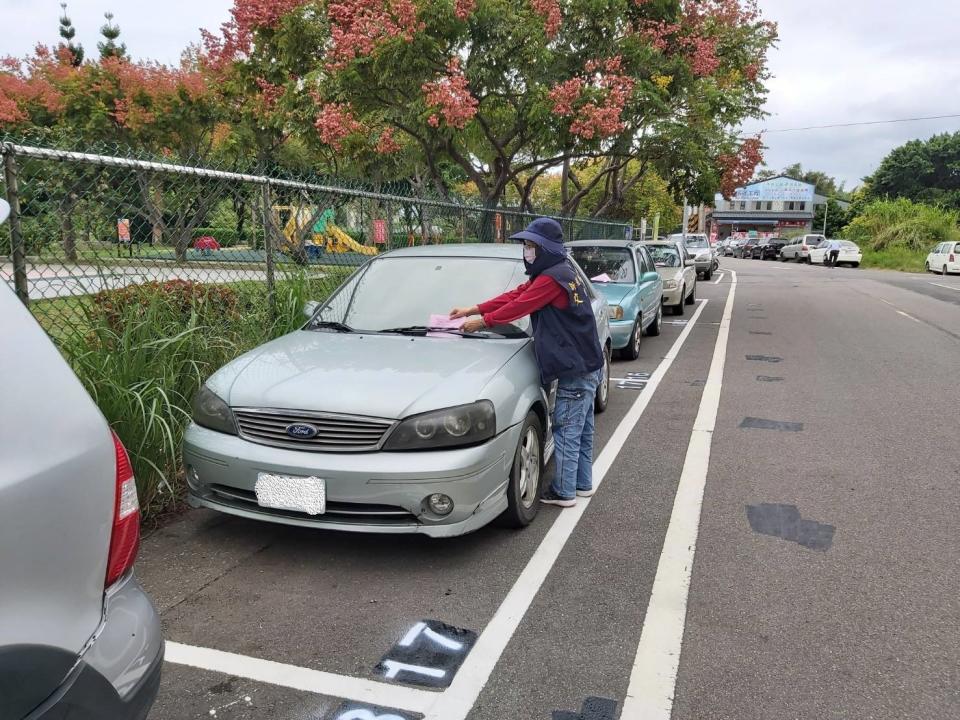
323, 236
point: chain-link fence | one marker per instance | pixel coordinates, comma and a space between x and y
85, 227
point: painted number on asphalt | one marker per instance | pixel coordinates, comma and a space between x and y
634, 381
357, 711
429, 654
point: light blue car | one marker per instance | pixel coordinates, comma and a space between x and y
624, 272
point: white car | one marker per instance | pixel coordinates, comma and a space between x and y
944, 258
678, 270
849, 254
799, 249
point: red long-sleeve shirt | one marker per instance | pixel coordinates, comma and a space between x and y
523, 300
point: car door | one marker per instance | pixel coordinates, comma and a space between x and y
653, 290
936, 259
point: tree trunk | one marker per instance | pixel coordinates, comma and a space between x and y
68, 231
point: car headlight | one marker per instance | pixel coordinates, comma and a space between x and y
615, 312
453, 427
211, 412
669, 284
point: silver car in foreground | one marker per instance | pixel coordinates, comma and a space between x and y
79, 639
366, 420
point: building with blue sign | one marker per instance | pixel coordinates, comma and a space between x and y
766, 208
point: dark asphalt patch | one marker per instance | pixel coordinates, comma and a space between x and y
428, 655
760, 332
594, 708
769, 378
697, 383
765, 358
785, 522
761, 424
359, 711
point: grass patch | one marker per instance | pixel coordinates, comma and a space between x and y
894, 258
142, 352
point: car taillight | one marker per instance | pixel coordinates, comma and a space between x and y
805, 248
952, 258
125, 538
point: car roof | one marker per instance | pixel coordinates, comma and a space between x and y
603, 243
506, 251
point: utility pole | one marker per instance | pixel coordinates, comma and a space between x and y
826, 209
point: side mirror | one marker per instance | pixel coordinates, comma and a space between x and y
689, 262
651, 276
4, 211
310, 308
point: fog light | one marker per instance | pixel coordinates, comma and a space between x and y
440, 504
193, 478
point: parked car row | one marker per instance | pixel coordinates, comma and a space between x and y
811, 249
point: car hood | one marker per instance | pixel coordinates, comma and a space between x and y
386, 376
613, 292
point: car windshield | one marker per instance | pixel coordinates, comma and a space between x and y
664, 255
597, 262
697, 242
403, 292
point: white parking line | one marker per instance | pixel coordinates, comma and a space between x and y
907, 315
948, 287
654, 676
719, 278
457, 701
300, 678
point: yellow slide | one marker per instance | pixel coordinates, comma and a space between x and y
341, 242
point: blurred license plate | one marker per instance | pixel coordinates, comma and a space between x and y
291, 492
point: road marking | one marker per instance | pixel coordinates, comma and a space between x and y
907, 315
777, 267
719, 278
457, 701
300, 678
948, 287
654, 676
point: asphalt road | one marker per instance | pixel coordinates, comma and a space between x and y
814, 415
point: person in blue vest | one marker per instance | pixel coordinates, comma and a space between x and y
567, 348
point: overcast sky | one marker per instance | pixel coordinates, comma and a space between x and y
838, 61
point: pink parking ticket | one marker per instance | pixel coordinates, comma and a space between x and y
444, 321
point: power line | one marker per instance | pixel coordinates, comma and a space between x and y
857, 124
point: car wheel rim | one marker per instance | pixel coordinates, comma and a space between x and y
529, 468
605, 380
636, 339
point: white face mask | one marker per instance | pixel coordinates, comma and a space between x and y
529, 254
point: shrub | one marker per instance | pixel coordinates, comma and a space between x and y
902, 223
178, 298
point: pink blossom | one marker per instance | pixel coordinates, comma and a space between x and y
702, 54
737, 168
386, 144
358, 27
605, 91
450, 95
549, 10
335, 122
464, 8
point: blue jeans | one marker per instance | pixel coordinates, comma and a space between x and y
573, 434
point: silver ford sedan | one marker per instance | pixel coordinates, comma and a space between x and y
371, 419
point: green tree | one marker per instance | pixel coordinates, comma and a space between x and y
925, 171
902, 223
108, 47
837, 218
68, 32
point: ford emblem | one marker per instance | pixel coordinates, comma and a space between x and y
302, 431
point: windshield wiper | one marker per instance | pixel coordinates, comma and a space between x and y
423, 329
331, 325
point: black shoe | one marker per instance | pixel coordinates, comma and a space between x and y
549, 497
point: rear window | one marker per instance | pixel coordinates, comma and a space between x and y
695, 242
848, 244
957, 248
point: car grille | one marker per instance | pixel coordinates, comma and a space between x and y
335, 433
341, 512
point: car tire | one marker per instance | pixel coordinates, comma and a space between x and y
926, 267
632, 350
708, 274
692, 298
854, 264
603, 389
653, 330
783, 257
678, 308
523, 490
944, 273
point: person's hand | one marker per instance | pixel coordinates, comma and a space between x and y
472, 326
463, 312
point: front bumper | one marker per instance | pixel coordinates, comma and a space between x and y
672, 297
118, 677
620, 332
379, 492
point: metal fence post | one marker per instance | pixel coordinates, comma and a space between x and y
268, 249
17, 252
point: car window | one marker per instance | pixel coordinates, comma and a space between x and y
615, 263
957, 248
665, 255
372, 300
648, 263
697, 242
